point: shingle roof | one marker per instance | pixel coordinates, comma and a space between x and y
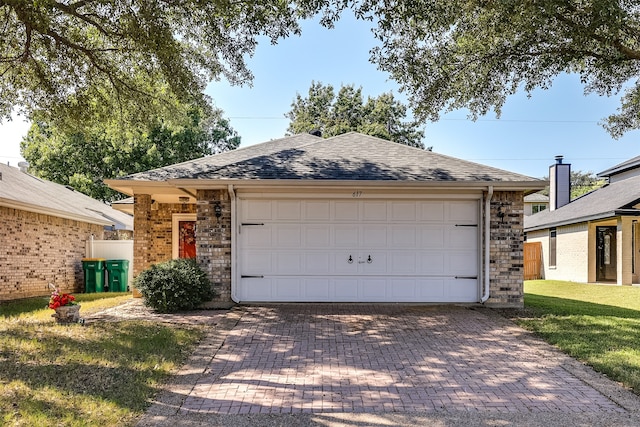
23, 191
536, 197
621, 167
604, 202
351, 156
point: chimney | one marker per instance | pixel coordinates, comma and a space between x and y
559, 184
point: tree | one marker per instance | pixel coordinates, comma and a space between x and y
581, 183
450, 54
83, 160
59, 57
333, 115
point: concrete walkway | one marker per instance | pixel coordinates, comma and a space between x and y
351, 365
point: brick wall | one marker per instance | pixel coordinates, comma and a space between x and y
153, 228
506, 267
36, 249
214, 240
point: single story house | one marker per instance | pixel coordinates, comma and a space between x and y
593, 238
351, 218
44, 229
535, 203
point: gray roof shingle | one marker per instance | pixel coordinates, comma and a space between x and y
600, 203
351, 156
23, 191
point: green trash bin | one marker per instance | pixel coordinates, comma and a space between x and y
93, 274
118, 272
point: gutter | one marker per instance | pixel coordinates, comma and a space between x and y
487, 244
232, 196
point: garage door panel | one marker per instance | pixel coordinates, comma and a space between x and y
303, 247
345, 236
256, 237
344, 262
345, 211
288, 236
403, 263
374, 211
403, 211
318, 236
317, 210
288, 262
431, 211
404, 236
288, 210
462, 237
374, 236
432, 237
431, 263
256, 262
317, 262
462, 212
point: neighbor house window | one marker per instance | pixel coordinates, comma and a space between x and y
552, 247
538, 208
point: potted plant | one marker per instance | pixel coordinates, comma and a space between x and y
65, 305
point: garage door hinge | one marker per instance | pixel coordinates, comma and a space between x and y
466, 225
251, 277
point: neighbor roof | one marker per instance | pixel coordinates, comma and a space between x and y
351, 156
611, 200
536, 198
19, 190
621, 167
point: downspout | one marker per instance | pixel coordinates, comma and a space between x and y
487, 244
232, 196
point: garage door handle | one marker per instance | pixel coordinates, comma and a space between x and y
466, 225
251, 277
466, 277
252, 223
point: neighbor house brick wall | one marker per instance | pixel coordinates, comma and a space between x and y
39, 249
506, 265
214, 240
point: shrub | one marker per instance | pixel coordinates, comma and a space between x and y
174, 285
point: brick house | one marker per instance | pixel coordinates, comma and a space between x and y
350, 218
44, 229
593, 238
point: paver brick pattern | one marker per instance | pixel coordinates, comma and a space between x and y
383, 358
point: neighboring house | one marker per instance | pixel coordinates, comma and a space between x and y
593, 238
534, 203
350, 218
44, 229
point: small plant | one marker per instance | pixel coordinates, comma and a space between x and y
174, 285
58, 299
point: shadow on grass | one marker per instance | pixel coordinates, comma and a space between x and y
98, 371
604, 336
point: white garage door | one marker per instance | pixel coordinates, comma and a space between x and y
358, 250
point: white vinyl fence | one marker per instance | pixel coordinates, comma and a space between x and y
112, 249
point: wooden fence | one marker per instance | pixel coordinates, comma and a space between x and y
532, 261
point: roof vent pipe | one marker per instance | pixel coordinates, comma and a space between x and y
559, 184
24, 166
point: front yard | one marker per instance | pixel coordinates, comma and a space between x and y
596, 324
97, 374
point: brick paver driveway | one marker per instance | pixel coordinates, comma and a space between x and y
385, 358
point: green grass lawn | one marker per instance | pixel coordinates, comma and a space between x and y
597, 324
73, 375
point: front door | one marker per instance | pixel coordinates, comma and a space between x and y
606, 254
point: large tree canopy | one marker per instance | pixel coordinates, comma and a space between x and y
449, 54
330, 114
102, 151
63, 57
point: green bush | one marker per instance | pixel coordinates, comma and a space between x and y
174, 285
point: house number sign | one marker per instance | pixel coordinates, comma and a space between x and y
357, 193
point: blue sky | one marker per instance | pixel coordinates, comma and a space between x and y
530, 132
